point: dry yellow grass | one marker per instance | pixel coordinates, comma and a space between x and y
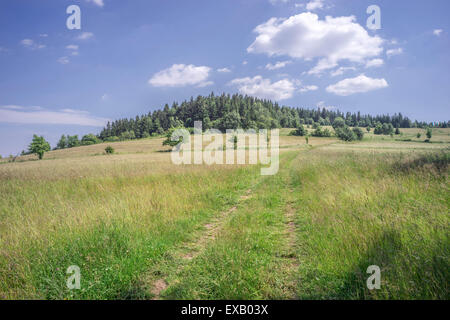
131, 158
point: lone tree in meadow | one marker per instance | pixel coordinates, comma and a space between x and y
39, 146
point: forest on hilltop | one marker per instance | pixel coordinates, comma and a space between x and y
238, 111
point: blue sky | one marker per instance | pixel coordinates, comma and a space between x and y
131, 57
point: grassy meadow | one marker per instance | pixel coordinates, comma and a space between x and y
140, 227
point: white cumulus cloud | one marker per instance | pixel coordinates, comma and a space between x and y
394, 52
341, 71
223, 70
322, 65
264, 88
314, 5
180, 75
305, 36
278, 65
358, 84
374, 63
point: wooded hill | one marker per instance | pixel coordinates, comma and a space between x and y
239, 111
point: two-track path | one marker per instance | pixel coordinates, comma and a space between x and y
278, 189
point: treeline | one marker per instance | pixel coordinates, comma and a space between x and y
70, 142
74, 141
238, 111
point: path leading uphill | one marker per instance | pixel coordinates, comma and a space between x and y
247, 252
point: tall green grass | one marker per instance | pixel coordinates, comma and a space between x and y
360, 209
113, 228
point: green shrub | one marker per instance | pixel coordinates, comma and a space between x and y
90, 139
300, 131
388, 128
378, 129
385, 128
345, 133
321, 133
359, 133
109, 150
